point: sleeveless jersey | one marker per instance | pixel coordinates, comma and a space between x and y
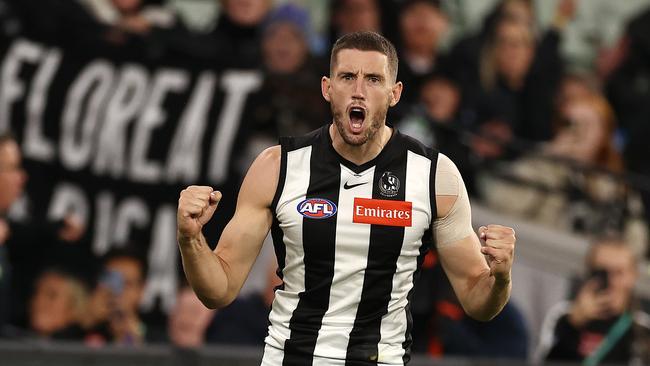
349, 241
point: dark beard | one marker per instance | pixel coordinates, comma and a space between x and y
375, 124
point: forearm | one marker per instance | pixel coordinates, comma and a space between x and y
206, 273
487, 297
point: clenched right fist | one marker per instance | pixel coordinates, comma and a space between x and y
195, 208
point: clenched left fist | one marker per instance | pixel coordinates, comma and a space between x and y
499, 248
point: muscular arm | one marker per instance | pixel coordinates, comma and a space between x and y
482, 286
217, 277
480, 293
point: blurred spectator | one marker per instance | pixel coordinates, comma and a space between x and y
357, 16
134, 16
239, 31
245, 321
27, 247
233, 43
509, 57
12, 181
578, 192
436, 123
573, 87
603, 323
125, 272
144, 27
284, 43
92, 328
628, 88
12, 175
246, 12
189, 320
506, 102
347, 16
57, 303
422, 24
111, 312
289, 103
517, 79
465, 55
520, 11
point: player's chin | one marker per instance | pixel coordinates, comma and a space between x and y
355, 139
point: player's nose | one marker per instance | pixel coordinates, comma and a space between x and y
359, 91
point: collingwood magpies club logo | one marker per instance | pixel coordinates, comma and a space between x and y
388, 184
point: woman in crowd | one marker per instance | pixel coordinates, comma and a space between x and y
572, 182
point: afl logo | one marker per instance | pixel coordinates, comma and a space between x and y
388, 184
317, 208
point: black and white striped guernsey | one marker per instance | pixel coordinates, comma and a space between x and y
349, 241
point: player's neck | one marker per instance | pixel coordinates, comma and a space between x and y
360, 154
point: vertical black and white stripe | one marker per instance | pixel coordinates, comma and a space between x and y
345, 297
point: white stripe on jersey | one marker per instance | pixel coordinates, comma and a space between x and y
393, 324
352, 243
286, 301
274, 357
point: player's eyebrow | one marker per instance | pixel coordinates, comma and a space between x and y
353, 73
373, 75
346, 73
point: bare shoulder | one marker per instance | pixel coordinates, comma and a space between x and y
271, 155
261, 180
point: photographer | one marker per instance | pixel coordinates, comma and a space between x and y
603, 322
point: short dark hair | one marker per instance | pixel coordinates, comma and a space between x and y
366, 41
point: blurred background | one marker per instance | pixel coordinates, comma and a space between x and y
108, 108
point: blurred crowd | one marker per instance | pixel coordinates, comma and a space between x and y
533, 136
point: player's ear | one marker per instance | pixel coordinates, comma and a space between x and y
396, 93
325, 87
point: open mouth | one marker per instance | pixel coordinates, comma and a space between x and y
357, 116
